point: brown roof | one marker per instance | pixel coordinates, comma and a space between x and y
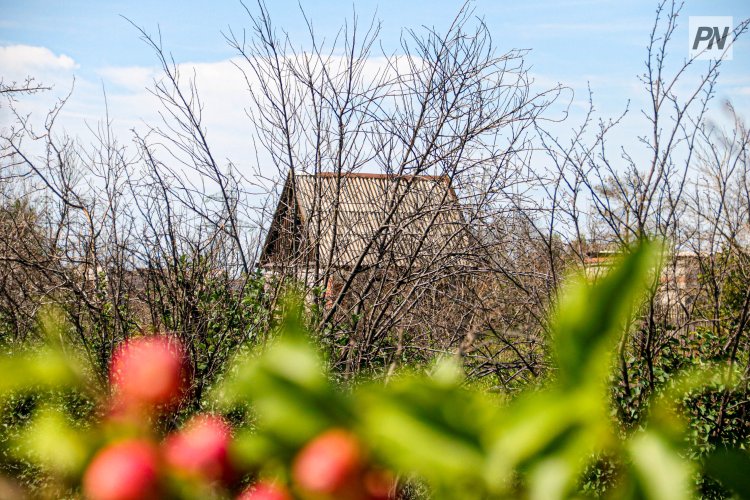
427, 213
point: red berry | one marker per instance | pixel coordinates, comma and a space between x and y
330, 463
379, 484
201, 448
147, 372
123, 471
265, 491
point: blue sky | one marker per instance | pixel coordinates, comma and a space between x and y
575, 42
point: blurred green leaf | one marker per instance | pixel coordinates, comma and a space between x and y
550, 435
430, 426
660, 472
51, 442
288, 390
41, 369
589, 318
287, 386
44, 367
251, 450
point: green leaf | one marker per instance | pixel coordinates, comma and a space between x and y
551, 435
590, 318
53, 443
287, 386
288, 390
660, 472
43, 369
431, 427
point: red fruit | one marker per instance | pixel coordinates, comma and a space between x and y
265, 491
330, 463
123, 471
148, 372
201, 448
379, 484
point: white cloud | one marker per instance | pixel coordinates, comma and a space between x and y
131, 77
19, 61
56, 71
129, 104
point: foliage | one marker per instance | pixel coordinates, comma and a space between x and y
299, 433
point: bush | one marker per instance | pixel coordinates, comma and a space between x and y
297, 434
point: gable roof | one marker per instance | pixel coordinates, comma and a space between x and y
425, 216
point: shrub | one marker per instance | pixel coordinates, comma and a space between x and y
299, 435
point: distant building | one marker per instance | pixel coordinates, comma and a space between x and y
326, 225
678, 284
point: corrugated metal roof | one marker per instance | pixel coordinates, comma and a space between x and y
352, 208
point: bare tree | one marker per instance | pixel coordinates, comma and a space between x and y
446, 107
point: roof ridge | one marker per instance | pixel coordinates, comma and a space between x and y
367, 175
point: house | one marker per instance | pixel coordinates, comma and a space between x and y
327, 226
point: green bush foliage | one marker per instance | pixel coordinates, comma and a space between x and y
435, 433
